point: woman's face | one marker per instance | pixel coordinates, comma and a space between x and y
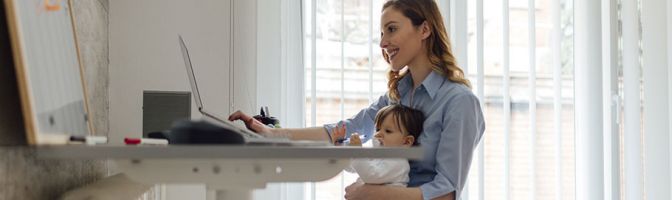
389, 134
400, 40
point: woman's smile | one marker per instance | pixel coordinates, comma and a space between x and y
392, 52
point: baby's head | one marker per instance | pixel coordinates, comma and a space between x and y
398, 125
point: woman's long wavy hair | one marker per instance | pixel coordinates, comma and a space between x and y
438, 44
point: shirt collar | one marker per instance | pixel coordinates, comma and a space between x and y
432, 83
405, 84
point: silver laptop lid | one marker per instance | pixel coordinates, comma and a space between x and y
190, 73
197, 95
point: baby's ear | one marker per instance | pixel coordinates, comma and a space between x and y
409, 140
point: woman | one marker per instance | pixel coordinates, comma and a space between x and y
423, 75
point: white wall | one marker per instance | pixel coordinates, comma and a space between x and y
669, 80
269, 51
244, 82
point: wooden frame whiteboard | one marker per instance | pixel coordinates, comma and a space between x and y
48, 69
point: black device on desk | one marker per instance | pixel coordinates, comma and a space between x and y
265, 118
204, 130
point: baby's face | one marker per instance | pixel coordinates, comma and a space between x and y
389, 134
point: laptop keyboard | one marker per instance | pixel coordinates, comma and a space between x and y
256, 139
244, 132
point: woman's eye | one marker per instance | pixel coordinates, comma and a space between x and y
391, 29
388, 131
377, 129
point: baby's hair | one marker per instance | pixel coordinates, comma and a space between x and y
410, 121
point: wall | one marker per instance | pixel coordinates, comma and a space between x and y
269, 52
245, 46
669, 87
23, 175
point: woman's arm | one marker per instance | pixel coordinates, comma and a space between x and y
315, 133
312, 133
361, 123
365, 191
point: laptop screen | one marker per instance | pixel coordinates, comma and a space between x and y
194, 88
190, 73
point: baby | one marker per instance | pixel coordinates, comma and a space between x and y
396, 126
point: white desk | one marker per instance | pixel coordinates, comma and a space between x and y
236, 169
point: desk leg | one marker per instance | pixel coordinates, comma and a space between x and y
219, 194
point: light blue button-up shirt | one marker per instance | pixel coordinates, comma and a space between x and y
453, 127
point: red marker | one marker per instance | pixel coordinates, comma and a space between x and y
136, 141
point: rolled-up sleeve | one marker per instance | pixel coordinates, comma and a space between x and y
463, 127
362, 122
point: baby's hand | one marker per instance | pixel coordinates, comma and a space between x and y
354, 140
338, 134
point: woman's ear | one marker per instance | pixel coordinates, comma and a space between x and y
425, 30
409, 140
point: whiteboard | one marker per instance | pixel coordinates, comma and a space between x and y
48, 70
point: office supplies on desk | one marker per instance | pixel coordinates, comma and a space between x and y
265, 118
346, 141
89, 140
145, 141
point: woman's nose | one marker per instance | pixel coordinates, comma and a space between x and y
383, 43
377, 135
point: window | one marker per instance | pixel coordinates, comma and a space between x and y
522, 163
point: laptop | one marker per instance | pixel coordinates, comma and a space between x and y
250, 136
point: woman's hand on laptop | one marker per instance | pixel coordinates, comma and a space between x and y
250, 122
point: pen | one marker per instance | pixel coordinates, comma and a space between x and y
90, 140
151, 141
343, 140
